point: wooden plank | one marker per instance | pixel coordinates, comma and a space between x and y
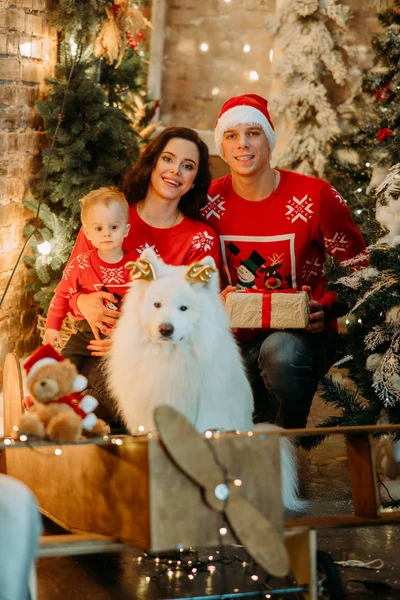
334, 521
301, 544
362, 475
90, 488
12, 400
70, 544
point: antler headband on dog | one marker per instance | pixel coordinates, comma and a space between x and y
199, 273
141, 269
196, 273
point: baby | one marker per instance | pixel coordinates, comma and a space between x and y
104, 217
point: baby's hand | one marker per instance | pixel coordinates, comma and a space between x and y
52, 336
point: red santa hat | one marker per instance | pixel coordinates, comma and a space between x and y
248, 109
46, 355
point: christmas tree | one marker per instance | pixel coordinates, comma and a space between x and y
370, 285
95, 117
311, 60
371, 143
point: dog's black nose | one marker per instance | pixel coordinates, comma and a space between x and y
166, 329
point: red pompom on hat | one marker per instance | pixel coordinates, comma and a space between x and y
248, 109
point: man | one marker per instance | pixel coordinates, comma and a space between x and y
275, 228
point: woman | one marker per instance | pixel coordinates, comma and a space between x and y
166, 190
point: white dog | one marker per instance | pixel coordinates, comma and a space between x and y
173, 345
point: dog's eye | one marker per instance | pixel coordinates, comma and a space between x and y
157, 304
183, 308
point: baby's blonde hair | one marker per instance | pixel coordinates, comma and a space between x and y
104, 196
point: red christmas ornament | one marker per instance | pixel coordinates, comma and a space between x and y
383, 133
115, 9
140, 37
383, 94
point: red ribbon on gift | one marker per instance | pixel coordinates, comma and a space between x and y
266, 303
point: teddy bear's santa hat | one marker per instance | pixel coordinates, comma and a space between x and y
46, 355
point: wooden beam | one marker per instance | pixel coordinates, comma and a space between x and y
154, 76
335, 521
362, 474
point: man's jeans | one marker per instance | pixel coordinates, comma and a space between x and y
284, 368
20, 528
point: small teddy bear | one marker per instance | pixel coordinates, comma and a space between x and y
58, 410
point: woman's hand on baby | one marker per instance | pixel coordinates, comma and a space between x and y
92, 307
52, 336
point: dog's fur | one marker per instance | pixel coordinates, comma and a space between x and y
197, 369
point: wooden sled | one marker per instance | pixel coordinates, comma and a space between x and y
117, 492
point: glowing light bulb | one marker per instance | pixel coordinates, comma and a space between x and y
210, 558
254, 577
23, 438
139, 559
170, 573
237, 482
367, 164
191, 576
58, 451
215, 91
141, 428
347, 321
253, 76
204, 47
359, 320
249, 433
223, 531
359, 190
359, 211
208, 434
246, 48
211, 568
118, 442
271, 55
44, 248
147, 579
227, 1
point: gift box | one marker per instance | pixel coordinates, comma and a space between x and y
268, 309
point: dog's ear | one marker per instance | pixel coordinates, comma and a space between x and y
203, 272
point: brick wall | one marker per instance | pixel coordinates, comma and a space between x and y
27, 53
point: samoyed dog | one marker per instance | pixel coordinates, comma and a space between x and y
173, 345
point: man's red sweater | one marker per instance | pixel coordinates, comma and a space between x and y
281, 241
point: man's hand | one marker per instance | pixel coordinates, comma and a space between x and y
317, 315
96, 313
229, 288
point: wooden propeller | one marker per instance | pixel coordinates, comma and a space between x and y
193, 455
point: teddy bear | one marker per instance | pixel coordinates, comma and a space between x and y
57, 409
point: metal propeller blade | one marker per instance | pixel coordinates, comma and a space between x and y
193, 455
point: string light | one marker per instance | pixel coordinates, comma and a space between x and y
237, 482
253, 76
58, 451
359, 320
359, 190
204, 47
223, 531
347, 321
249, 433
23, 438
367, 164
359, 211
215, 91
254, 577
271, 55
246, 48
141, 428
208, 434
